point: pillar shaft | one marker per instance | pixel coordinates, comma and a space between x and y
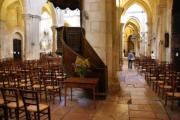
32, 47
2, 39
54, 44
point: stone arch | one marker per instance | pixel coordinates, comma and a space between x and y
49, 8
11, 14
135, 20
17, 35
142, 3
4, 5
147, 8
133, 24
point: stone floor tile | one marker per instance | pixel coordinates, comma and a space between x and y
77, 116
140, 102
140, 107
112, 111
143, 119
157, 107
135, 101
162, 116
142, 114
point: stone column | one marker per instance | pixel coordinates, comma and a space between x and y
116, 47
2, 37
162, 13
150, 38
32, 47
121, 43
109, 39
1, 31
54, 43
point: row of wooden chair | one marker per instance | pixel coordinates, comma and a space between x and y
163, 77
30, 77
24, 103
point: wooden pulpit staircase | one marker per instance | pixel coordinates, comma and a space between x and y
71, 42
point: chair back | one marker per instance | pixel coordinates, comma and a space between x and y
30, 98
10, 95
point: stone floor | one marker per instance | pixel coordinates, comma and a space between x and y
135, 101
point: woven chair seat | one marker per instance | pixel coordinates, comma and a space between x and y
14, 105
166, 86
51, 87
33, 108
176, 94
37, 86
1, 101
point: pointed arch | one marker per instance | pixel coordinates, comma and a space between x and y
4, 6
142, 3
49, 8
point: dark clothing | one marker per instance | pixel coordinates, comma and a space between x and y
130, 59
130, 62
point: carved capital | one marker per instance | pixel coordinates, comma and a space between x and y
53, 27
29, 16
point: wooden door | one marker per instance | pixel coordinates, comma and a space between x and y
17, 49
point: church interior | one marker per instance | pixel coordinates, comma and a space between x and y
69, 60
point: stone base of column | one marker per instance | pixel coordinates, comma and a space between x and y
114, 87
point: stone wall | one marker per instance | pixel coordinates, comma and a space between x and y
95, 25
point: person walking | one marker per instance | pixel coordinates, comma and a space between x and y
153, 55
130, 59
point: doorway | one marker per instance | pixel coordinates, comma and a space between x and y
17, 49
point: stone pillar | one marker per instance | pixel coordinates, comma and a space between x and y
2, 38
150, 38
32, 47
121, 44
116, 47
54, 44
162, 13
109, 39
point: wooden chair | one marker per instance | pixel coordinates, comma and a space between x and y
153, 76
12, 101
37, 83
52, 85
174, 94
3, 107
166, 84
3, 80
33, 107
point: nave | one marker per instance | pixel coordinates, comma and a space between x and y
135, 101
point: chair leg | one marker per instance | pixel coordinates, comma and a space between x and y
158, 90
28, 116
5, 113
49, 114
17, 114
46, 96
38, 116
60, 94
10, 114
166, 100
35, 116
163, 92
53, 96
172, 103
